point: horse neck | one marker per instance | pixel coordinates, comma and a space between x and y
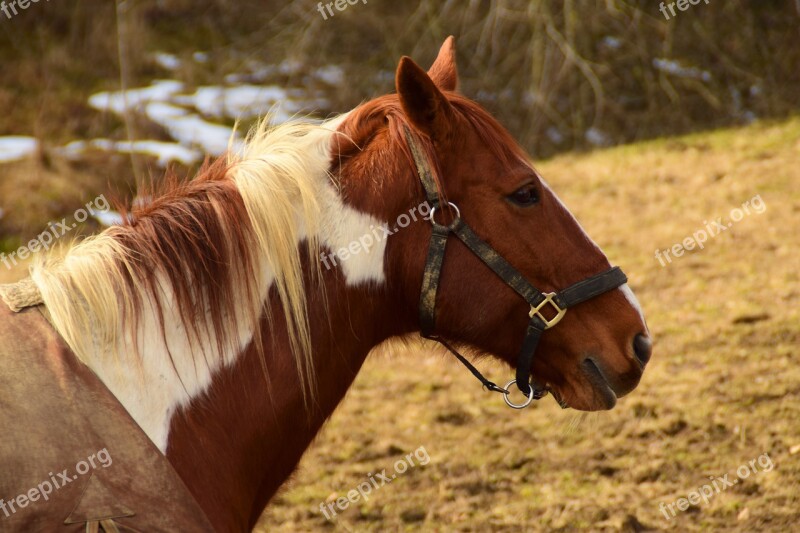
251, 437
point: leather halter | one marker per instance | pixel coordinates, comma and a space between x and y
561, 301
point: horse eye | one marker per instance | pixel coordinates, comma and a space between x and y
525, 196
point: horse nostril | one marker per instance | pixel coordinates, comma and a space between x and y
643, 348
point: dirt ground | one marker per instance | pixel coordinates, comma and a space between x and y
721, 390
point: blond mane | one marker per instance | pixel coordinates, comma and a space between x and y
210, 249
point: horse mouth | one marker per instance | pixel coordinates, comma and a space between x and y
557, 397
603, 392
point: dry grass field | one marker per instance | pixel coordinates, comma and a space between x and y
723, 387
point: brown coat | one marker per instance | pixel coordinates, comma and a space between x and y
61, 427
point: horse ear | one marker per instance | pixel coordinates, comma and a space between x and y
444, 71
423, 103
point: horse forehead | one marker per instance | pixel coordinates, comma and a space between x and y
477, 172
571, 216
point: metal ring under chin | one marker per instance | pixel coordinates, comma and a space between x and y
513, 405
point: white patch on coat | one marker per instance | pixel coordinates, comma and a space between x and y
148, 385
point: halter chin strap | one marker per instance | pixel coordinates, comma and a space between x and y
538, 323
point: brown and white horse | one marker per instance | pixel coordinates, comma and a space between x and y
230, 315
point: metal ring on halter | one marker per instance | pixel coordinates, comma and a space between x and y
517, 405
451, 204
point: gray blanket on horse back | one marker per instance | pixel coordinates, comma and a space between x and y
71, 458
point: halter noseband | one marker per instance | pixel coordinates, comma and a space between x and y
561, 301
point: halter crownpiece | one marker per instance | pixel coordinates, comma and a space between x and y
560, 302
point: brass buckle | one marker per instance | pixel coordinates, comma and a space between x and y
548, 299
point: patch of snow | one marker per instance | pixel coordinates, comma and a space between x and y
73, 150
200, 57
167, 61
161, 111
244, 101
332, 75
190, 129
596, 137
256, 71
612, 42
555, 136
118, 101
14, 148
165, 152
676, 69
165, 103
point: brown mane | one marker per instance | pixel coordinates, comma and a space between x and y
204, 253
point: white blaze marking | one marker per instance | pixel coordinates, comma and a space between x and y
626, 290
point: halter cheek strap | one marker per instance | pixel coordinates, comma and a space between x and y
573, 295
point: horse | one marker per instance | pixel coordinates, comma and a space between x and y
223, 321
